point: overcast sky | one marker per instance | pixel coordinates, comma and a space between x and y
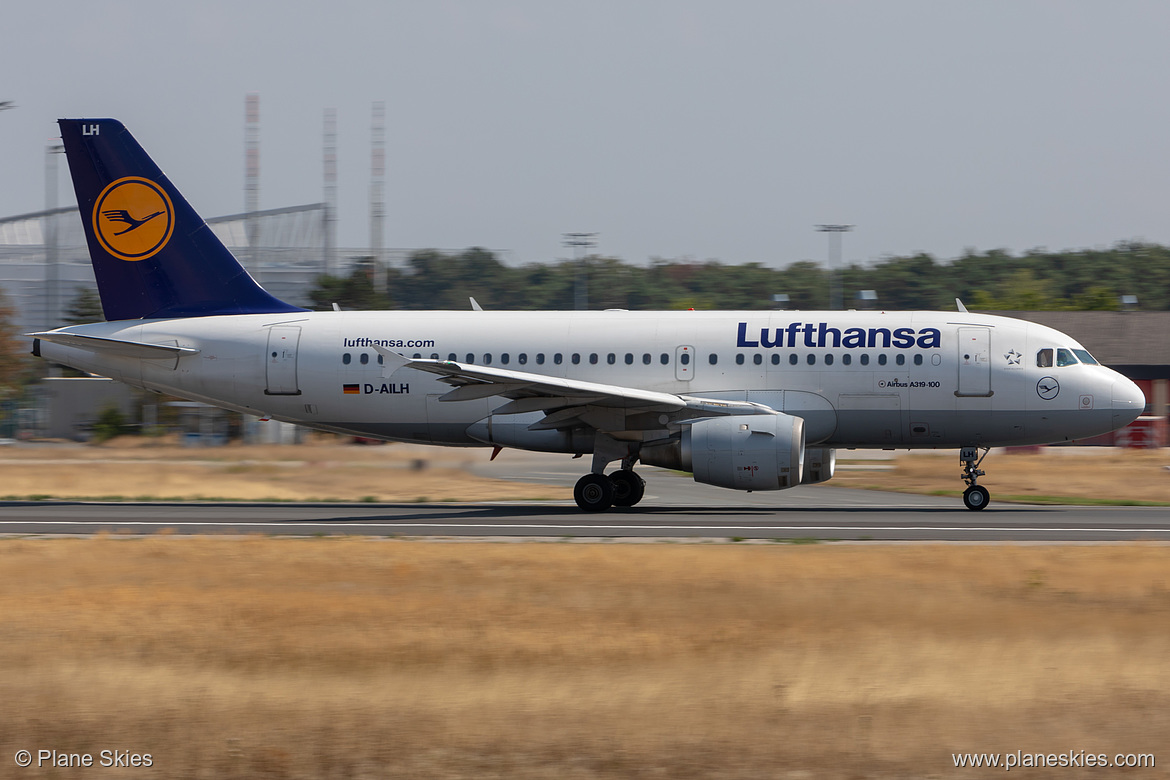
677, 129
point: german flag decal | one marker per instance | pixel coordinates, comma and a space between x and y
351, 389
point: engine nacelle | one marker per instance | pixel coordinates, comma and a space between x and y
819, 465
744, 452
513, 430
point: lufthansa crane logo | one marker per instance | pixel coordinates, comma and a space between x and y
133, 218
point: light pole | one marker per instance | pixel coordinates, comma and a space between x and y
834, 232
580, 242
52, 271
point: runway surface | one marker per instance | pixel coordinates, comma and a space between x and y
821, 513
675, 506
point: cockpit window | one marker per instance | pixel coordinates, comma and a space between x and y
1044, 358
1065, 357
1085, 357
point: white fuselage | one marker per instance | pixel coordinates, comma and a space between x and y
859, 379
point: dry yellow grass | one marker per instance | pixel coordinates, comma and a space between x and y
314, 472
372, 659
1105, 473
136, 467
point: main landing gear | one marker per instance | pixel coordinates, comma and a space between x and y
597, 492
975, 496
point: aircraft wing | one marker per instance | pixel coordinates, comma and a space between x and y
565, 401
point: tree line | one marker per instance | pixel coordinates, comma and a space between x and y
1087, 279
994, 280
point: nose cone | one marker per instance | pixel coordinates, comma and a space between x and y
1128, 402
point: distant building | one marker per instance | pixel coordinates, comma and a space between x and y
290, 255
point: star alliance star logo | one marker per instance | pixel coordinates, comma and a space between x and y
1013, 358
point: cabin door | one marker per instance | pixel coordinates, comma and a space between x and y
974, 362
282, 360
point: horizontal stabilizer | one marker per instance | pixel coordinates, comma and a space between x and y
131, 349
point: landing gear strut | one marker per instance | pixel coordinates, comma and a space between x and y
975, 496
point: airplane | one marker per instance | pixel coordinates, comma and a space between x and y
746, 400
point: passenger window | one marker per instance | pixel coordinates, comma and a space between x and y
900, 359
487, 358
918, 360
758, 359
829, 359
540, 358
846, 358
434, 356
346, 358
739, 359
522, 358
865, 360
712, 358
775, 359
645, 358
611, 358
592, 358
504, 358
470, 358
792, 359
450, 358
664, 359
576, 358
417, 355
1065, 357
685, 358
882, 359
380, 360
811, 359
557, 358
1044, 358
629, 358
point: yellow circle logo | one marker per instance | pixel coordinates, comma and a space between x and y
133, 218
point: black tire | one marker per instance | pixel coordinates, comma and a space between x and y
976, 497
593, 493
628, 487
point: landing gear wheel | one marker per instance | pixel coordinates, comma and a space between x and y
976, 497
594, 493
628, 487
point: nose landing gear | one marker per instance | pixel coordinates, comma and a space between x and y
975, 497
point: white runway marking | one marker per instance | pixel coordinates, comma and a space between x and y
532, 526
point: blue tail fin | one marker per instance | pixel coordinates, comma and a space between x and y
153, 256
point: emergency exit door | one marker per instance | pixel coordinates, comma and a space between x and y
684, 363
281, 360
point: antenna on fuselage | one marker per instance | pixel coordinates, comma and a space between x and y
959, 305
